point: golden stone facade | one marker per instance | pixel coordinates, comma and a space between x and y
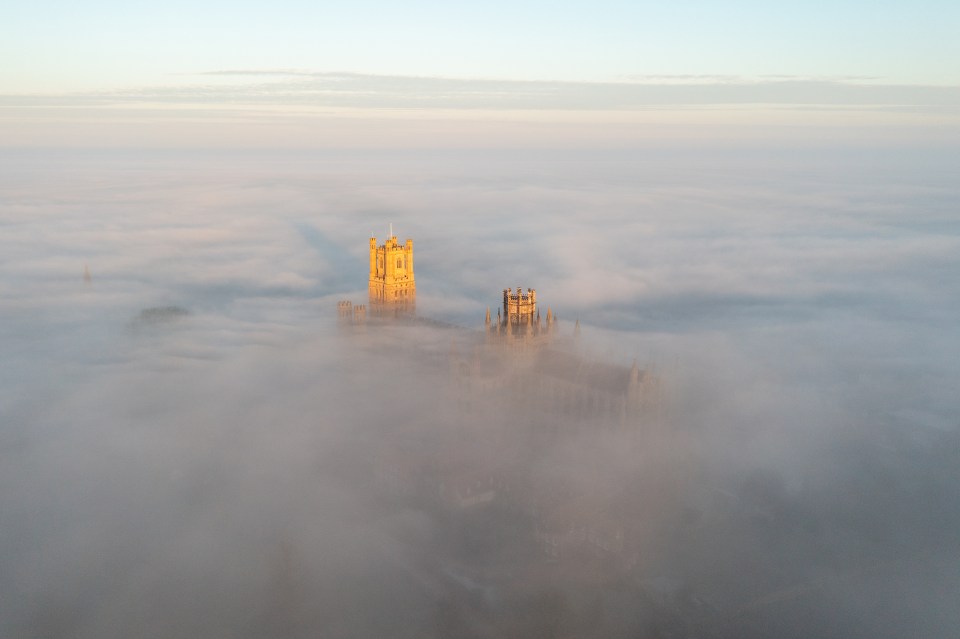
520, 307
518, 390
392, 284
537, 376
519, 316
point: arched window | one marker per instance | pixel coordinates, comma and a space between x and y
399, 263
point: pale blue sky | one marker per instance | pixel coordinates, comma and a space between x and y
57, 46
371, 73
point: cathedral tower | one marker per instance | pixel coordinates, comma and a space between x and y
392, 285
520, 308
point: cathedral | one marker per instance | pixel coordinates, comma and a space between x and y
520, 356
509, 392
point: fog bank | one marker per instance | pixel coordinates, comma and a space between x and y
194, 445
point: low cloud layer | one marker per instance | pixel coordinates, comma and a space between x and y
325, 110
356, 90
212, 470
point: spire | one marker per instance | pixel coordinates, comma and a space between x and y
487, 320
576, 330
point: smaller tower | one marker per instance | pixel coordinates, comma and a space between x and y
519, 318
520, 307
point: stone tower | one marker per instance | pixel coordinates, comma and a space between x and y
519, 317
520, 308
392, 286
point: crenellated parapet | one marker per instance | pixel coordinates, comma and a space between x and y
350, 313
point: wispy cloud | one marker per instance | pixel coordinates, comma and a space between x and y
355, 90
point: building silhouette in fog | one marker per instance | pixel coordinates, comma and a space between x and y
520, 356
512, 389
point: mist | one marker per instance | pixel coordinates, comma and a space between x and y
195, 444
